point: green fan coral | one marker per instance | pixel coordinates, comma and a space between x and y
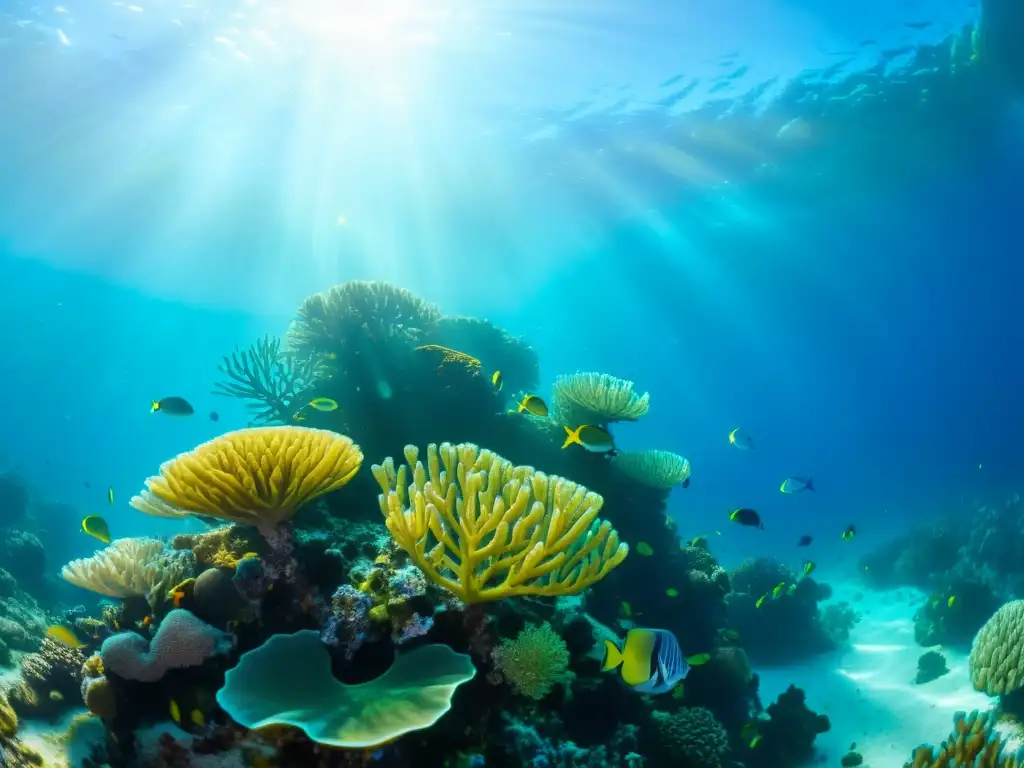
288, 681
274, 382
658, 469
596, 398
328, 322
534, 661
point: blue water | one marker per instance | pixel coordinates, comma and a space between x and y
615, 184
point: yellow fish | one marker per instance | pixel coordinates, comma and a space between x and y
643, 548
64, 635
760, 601
755, 741
324, 404
196, 716
175, 712
951, 601
496, 381
534, 405
778, 590
110, 495
593, 439
180, 592
740, 439
97, 527
809, 567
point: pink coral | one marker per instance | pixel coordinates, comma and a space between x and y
182, 640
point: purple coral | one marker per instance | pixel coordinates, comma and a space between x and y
279, 562
182, 640
349, 622
416, 626
406, 583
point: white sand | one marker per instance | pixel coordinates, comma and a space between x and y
867, 690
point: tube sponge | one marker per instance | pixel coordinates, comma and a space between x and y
657, 469
288, 681
997, 654
257, 476
181, 641
596, 398
484, 529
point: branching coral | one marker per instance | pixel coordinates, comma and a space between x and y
327, 322
997, 655
485, 529
534, 661
257, 476
130, 568
658, 469
973, 743
596, 398
272, 381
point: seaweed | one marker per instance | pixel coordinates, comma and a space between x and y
270, 380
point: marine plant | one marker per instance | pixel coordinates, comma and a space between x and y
484, 529
288, 681
273, 382
258, 476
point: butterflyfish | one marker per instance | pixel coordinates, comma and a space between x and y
593, 439
97, 527
740, 439
534, 405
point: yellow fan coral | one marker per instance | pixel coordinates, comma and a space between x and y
596, 398
485, 529
326, 320
997, 654
658, 469
257, 476
973, 742
130, 568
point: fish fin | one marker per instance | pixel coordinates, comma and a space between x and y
612, 656
154, 407
570, 437
809, 485
521, 408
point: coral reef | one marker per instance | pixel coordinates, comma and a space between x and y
787, 736
274, 383
181, 641
691, 738
542, 533
930, 666
972, 742
596, 398
658, 469
23, 555
50, 680
131, 568
953, 615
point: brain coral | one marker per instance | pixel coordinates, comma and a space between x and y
181, 641
997, 654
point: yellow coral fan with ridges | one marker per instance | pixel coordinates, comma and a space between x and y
596, 398
257, 476
130, 568
658, 469
973, 743
485, 529
997, 654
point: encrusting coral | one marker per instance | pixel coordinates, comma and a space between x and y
257, 476
485, 529
288, 681
596, 398
973, 743
997, 655
131, 568
658, 469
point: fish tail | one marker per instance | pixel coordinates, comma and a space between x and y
810, 484
570, 437
612, 656
154, 407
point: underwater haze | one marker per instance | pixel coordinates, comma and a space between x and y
800, 219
